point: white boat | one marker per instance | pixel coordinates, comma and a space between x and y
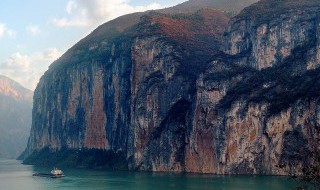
57, 172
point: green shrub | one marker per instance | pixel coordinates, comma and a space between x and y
78, 158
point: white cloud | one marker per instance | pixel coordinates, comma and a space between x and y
51, 54
16, 60
2, 30
33, 30
71, 6
5, 31
62, 22
27, 69
11, 33
94, 12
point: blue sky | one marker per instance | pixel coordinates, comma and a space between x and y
34, 33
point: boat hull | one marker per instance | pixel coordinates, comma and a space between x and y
47, 175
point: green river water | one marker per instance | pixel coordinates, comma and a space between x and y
15, 176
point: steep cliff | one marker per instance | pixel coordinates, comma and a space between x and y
15, 117
119, 88
178, 92
257, 103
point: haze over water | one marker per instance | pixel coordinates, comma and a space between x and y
15, 176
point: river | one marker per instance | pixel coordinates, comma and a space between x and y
15, 176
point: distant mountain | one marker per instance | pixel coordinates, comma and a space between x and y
15, 117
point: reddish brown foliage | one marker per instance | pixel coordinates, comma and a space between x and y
190, 27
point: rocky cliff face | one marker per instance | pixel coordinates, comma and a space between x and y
257, 105
269, 30
156, 87
15, 117
107, 91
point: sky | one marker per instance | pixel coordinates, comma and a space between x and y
34, 33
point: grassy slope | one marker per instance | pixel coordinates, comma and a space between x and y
267, 10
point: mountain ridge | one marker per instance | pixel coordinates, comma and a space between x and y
11, 88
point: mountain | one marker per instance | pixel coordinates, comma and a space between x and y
97, 89
15, 117
227, 5
191, 91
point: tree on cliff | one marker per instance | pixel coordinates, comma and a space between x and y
309, 179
